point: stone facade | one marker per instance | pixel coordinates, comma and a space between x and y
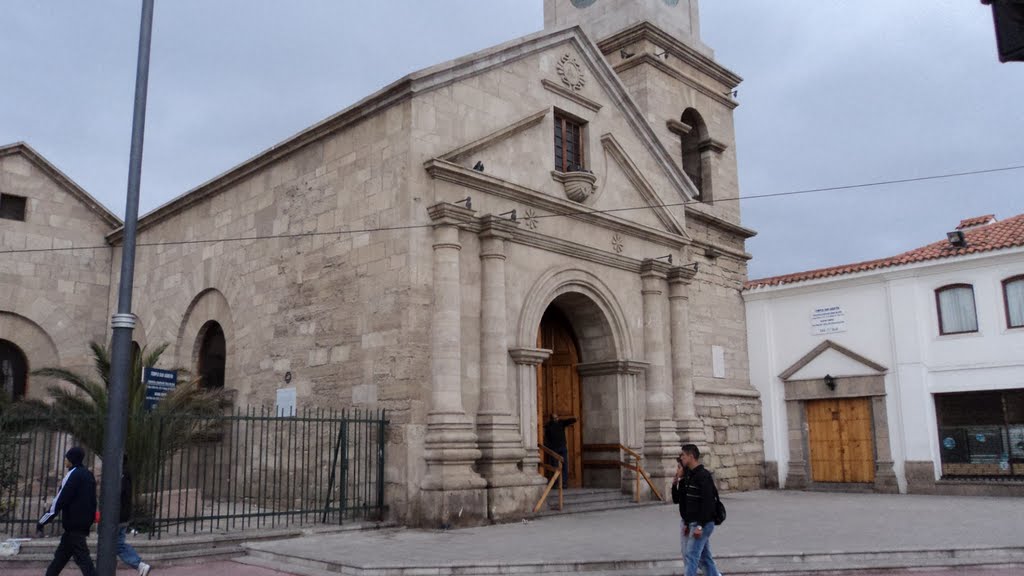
382, 287
53, 291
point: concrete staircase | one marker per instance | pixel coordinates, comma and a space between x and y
581, 500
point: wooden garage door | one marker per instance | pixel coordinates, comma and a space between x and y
840, 438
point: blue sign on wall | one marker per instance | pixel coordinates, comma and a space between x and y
159, 383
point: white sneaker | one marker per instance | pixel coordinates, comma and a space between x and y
144, 569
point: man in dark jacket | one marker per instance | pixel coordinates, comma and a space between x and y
693, 489
76, 503
554, 439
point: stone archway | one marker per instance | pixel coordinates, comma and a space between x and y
37, 347
602, 370
209, 309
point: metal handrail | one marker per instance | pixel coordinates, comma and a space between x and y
632, 462
554, 478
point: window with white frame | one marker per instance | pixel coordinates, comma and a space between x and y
957, 312
1013, 298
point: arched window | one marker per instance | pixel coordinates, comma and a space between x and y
13, 370
696, 133
212, 355
1013, 298
957, 313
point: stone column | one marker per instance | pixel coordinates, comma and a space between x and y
661, 441
688, 425
501, 445
527, 360
452, 492
710, 151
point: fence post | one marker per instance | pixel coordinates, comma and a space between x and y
381, 443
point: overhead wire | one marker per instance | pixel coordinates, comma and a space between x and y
565, 214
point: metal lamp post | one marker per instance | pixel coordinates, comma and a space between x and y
123, 322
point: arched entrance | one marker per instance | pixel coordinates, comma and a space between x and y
212, 355
558, 390
13, 370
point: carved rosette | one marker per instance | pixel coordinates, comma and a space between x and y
579, 186
571, 72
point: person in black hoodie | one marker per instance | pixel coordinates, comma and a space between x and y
76, 503
693, 489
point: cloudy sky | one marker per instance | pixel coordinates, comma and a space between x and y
835, 93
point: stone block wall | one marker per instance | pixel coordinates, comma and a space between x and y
735, 452
52, 303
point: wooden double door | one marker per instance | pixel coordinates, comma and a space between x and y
841, 440
558, 388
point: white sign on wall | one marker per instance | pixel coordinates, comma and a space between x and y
828, 320
718, 362
286, 401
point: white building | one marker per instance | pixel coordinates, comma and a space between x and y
902, 373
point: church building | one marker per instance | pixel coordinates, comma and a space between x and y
548, 226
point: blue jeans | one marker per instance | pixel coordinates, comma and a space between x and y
697, 551
125, 552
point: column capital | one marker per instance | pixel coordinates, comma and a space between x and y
712, 145
492, 226
682, 274
448, 214
529, 356
651, 268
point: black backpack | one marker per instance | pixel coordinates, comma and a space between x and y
719, 507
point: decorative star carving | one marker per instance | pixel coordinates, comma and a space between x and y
617, 244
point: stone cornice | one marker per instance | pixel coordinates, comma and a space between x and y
69, 185
658, 64
679, 128
655, 268
576, 251
570, 95
636, 178
449, 172
492, 226
715, 391
445, 213
721, 224
712, 145
647, 31
612, 367
495, 137
681, 275
529, 356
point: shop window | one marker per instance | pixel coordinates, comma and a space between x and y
568, 144
12, 207
981, 434
212, 355
957, 313
13, 371
1013, 298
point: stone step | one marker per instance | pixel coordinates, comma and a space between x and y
595, 507
280, 566
595, 496
760, 564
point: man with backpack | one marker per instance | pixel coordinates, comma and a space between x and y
694, 490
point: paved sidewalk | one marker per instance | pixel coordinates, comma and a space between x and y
765, 523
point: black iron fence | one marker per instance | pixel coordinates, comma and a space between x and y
248, 470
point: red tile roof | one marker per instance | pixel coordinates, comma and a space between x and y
976, 221
999, 235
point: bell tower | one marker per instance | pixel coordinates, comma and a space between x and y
602, 18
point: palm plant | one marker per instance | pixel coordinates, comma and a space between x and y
185, 417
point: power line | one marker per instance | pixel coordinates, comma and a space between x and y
571, 213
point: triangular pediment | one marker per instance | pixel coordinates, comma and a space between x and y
831, 359
48, 170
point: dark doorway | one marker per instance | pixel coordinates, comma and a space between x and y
559, 390
212, 355
13, 371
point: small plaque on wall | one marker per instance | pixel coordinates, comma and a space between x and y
718, 362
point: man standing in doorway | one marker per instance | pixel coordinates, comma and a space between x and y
554, 439
693, 489
76, 503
